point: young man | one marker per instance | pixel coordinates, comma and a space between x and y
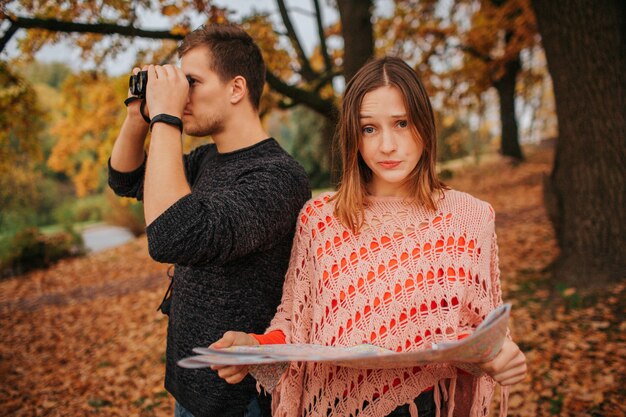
224, 214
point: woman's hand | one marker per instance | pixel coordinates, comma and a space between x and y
509, 365
233, 374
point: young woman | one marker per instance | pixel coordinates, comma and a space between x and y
393, 258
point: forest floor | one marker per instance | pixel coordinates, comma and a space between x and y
84, 338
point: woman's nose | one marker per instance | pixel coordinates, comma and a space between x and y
388, 142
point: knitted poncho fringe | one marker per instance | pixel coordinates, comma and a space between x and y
411, 277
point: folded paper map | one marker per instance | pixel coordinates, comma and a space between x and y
482, 345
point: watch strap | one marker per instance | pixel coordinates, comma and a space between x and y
168, 119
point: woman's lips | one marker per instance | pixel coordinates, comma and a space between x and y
389, 164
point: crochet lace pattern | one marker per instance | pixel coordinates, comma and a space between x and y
411, 277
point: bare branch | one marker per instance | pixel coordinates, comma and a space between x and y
8, 35
326, 78
320, 30
309, 99
306, 70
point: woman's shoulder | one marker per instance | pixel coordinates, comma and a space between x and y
467, 205
319, 205
316, 215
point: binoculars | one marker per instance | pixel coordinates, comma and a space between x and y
138, 83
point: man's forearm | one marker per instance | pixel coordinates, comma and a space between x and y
165, 180
128, 153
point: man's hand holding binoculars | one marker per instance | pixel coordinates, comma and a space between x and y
167, 90
157, 90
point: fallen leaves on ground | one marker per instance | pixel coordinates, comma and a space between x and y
83, 338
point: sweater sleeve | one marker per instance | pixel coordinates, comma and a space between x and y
217, 227
127, 184
293, 315
483, 285
493, 296
130, 184
277, 337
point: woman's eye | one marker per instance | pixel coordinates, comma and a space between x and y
367, 130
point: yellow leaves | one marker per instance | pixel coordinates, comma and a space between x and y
19, 121
277, 58
92, 113
87, 178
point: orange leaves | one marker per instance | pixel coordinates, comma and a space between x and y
460, 48
170, 10
85, 338
181, 30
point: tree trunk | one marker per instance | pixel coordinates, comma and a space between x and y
358, 34
509, 145
358, 38
584, 44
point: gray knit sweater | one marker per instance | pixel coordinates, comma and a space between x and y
230, 240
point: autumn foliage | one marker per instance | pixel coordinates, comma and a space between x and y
88, 128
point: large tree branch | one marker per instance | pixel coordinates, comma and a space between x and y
64, 26
309, 99
306, 71
320, 31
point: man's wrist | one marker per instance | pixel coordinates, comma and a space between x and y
168, 119
135, 125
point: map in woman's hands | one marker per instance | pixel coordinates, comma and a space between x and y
482, 345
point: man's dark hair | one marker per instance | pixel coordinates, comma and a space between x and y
233, 52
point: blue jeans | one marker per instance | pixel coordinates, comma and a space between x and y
253, 410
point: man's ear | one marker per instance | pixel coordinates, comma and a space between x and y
239, 89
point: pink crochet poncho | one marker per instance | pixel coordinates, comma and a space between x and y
409, 278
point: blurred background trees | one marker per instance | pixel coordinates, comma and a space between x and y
482, 61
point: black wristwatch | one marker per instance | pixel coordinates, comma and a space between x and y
169, 119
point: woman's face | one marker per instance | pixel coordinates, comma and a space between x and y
387, 144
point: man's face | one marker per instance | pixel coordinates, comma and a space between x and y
205, 111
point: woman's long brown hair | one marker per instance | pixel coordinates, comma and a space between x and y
422, 183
